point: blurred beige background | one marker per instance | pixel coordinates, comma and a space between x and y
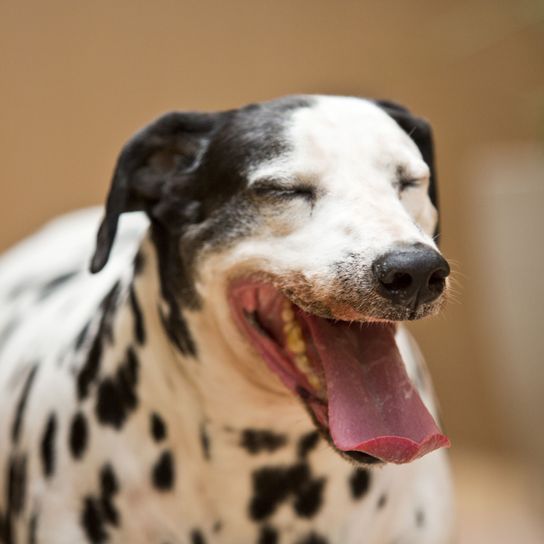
78, 78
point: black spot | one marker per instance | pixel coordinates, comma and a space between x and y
33, 528
382, 501
268, 535
109, 408
256, 441
79, 435
307, 443
80, 339
6, 529
274, 485
177, 330
127, 379
420, 518
158, 427
217, 526
359, 482
47, 447
49, 287
163, 473
15, 492
16, 485
116, 396
92, 521
270, 489
205, 442
309, 498
21, 405
197, 537
139, 263
89, 370
139, 330
108, 481
108, 489
107, 309
313, 538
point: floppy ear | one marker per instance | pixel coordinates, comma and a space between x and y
421, 133
155, 165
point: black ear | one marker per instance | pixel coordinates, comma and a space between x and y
156, 163
421, 133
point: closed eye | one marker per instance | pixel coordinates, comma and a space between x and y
279, 190
404, 184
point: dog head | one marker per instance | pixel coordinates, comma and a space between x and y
303, 215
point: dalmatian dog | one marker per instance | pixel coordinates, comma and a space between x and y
229, 365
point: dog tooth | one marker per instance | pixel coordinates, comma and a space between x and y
303, 363
288, 327
287, 313
295, 342
314, 381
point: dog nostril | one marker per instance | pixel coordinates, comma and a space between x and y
437, 281
397, 281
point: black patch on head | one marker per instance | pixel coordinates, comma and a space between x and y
184, 170
89, 371
139, 330
47, 446
109, 487
158, 427
21, 405
274, 485
420, 518
313, 538
197, 537
256, 441
52, 285
268, 535
359, 482
92, 521
163, 474
116, 396
205, 442
307, 443
79, 435
382, 501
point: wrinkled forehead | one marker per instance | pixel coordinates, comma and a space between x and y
327, 136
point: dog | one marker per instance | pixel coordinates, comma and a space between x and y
233, 368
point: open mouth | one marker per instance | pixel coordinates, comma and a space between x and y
349, 375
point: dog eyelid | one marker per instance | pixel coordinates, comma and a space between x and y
277, 188
409, 183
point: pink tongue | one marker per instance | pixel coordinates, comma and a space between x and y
373, 406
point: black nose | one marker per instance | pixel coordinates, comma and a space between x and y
411, 274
